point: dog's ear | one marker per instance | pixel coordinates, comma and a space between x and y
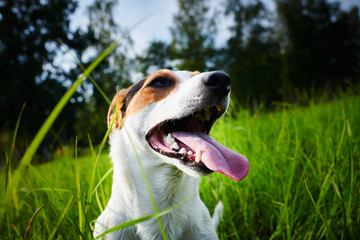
116, 105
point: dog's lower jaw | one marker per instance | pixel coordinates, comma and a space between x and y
169, 186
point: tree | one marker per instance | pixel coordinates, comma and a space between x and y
252, 55
28, 46
322, 46
192, 42
156, 56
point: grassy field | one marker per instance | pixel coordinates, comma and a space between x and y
303, 181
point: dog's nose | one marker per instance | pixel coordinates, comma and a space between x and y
218, 82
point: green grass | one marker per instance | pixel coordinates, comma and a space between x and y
303, 181
304, 173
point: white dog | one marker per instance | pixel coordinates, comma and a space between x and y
164, 120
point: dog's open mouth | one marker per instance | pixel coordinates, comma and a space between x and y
187, 140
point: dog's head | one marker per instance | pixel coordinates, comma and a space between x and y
172, 113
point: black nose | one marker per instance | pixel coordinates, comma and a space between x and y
218, 83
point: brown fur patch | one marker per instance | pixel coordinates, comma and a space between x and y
148, 95
135, 98
117, 104
194, 73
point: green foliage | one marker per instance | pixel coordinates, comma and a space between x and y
193, 36
28, 45
302, 183
156, 56
322, 43
253, 58
30, 33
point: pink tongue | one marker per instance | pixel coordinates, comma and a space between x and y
215, 156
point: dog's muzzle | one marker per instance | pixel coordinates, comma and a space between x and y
186, 139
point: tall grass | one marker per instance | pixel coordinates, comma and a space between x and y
303, 181
304, 173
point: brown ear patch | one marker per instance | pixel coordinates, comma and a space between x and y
115, 107
120, 103
194, 73
149, 93
130, 94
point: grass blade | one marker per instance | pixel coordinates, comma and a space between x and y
78, 188
8, 166
103, 178
32, 219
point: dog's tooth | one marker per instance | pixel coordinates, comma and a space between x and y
218, 107
198, 156
190, 153
182, 151
175, 146
169, 139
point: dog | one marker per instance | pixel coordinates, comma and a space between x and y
164, 121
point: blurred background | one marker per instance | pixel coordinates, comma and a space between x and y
274, 51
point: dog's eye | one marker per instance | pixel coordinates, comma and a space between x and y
160, 82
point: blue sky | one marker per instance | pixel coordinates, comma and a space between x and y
128, 12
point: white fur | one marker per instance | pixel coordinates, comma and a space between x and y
169, 185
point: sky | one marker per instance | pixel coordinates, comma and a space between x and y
159, 15
128, 12
160, 18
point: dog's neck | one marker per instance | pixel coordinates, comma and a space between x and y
168, 184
